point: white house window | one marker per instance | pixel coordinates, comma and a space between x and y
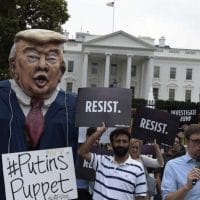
172, 73
171, 94
70, 66
189, 74
133, 70
113, 70
188, 94
156, 73
155, 93
69, 86
94, 69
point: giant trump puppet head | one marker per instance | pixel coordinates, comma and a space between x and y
36, 61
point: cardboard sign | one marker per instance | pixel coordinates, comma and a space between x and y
40, 175
105, 138
188, 115
155, 124
109, 105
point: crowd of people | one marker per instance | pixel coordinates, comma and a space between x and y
175, 169
36, 114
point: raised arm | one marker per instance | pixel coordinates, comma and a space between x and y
159, 156
154, 162
84, 150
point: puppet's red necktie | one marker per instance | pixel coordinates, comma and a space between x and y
35, 121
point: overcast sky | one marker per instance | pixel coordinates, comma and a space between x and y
177, 20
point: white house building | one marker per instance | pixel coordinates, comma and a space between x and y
123, 60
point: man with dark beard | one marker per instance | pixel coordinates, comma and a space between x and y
118, 176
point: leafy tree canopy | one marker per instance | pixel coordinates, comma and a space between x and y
23, 14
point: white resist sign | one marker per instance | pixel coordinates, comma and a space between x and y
40, 175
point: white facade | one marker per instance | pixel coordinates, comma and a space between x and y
122, 60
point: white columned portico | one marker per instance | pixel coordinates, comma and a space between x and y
142, 80
128, 71
107, 70
150, 68
85, 70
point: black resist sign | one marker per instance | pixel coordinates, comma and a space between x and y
83, 168
109, 105
155, 124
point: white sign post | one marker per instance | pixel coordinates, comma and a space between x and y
40, 175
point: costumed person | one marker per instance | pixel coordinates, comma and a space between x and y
35, 113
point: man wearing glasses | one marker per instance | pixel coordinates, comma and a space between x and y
181, 175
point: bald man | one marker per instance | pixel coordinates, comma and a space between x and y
36, 64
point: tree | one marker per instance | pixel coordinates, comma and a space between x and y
47, 14
8, 28
22, 14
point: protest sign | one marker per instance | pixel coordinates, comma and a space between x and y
188, 114
148, 150
40, 175
83, 168
105, 138
155, 124
109, 105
